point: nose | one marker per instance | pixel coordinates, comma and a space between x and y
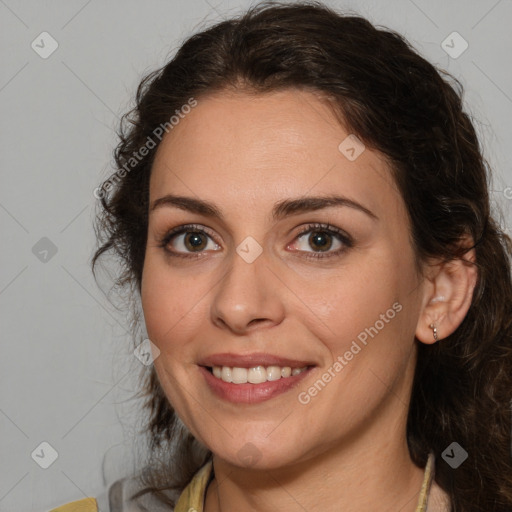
248, 296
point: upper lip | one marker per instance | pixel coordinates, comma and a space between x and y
252, 360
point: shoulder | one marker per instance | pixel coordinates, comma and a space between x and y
85, 505
116, 498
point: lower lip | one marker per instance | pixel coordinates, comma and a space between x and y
251, 393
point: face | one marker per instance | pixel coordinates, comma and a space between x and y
254, 269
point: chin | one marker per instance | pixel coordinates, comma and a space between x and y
257, 456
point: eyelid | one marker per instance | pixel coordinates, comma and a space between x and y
326, 227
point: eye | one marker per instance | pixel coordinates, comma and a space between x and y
321, 238
187, 241
191, 241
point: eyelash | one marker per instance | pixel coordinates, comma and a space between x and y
324, 228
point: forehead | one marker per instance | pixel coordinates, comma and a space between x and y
237, 147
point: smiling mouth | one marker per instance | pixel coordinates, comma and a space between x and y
255, 374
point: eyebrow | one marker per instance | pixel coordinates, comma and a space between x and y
281, 208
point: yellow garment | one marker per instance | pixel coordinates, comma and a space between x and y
193, 495
85, 505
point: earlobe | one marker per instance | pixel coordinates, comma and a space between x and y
434, 330
447, 298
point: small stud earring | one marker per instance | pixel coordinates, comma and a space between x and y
434, 328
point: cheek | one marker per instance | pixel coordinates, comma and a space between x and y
364, 323
173, 301
160, 302
344, 303
364, 314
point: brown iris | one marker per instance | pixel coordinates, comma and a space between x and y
318, 239
195, 240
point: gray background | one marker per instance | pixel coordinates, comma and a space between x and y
67, 370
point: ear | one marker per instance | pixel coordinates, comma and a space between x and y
448, 292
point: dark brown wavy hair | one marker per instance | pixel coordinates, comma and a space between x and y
402, 106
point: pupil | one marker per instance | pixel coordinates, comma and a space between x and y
319, 240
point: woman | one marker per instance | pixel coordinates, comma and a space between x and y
301, 205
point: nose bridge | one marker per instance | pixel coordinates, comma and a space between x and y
245, 293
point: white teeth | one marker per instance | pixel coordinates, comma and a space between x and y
273, 373
226, 374
239, 375
254, 375
257, 375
